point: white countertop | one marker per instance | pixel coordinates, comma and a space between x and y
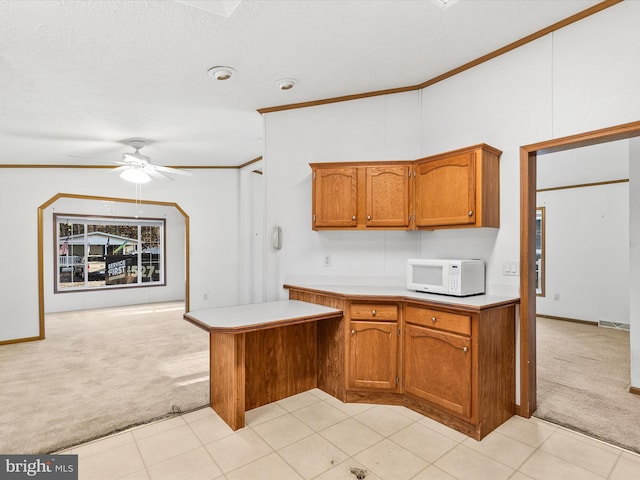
257, 316
475, 301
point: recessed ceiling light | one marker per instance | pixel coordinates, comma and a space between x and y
286, 83
221, 73
444, 3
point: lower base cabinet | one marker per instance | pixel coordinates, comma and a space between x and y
373, 351
453, 363
437, 368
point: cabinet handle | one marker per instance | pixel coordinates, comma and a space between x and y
373, 312
353, 218
465, 349
433, 319
353, 332
470, 212
368, 217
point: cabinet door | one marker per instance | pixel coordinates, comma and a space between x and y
387, 196
437, 368
335, 197
373, 350
446, 191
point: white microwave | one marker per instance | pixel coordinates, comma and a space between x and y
448, 277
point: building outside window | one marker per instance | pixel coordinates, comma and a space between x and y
108, 252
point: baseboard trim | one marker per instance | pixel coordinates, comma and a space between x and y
566, 319
634, 390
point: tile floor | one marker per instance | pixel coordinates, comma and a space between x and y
314, 436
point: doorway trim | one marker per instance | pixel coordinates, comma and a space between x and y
58, 196
528, 158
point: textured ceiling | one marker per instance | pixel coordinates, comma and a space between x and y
77, 78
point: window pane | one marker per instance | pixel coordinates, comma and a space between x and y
107, 252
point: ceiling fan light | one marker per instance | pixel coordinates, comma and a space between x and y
135, 175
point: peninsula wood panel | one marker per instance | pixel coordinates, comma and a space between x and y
494, 335
227, 377
283, 359
331, 376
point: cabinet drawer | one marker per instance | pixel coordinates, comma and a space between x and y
374, 311
426, 317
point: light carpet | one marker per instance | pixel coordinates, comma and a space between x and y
98, 372
584, 379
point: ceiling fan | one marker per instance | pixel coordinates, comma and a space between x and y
137, 168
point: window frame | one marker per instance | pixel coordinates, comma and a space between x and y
85, 220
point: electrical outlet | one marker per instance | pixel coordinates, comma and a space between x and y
205, 297
326, 261
556, 297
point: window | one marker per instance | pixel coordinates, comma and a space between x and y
540, 233
108, 252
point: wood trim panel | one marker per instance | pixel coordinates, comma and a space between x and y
528, 157
184, 167
634, 390
467, 66
583, 185
565, 319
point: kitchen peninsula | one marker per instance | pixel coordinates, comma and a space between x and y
449, 358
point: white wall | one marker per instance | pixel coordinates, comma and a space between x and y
379, 128
210, 198
587, 253
578, 79
587, 233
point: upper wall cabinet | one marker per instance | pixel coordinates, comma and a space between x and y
458, 189
454, 189
361, 195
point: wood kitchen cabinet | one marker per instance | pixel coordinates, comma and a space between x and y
437, 359
373, 347
458, 189
454, 189
361, 195
452, 360
459, 367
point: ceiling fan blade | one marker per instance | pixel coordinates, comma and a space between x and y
158, 175
171, 170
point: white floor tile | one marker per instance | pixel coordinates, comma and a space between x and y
167, 444
351, 436
269, 467
462, 462
239, 449
424, 442
320, 415
383, 420
193, 465
544, 466
312, 456
282, 431
390, 461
